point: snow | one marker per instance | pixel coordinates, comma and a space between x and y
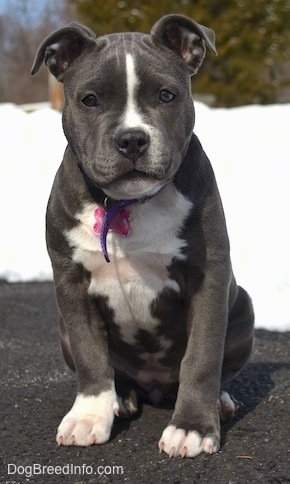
249, 148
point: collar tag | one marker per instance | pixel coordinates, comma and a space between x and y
120, 225
115, 217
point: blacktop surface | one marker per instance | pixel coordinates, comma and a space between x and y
37, 390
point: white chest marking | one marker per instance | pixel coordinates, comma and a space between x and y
137, 273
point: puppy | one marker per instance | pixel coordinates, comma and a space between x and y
137, 237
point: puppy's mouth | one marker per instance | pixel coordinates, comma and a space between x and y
133, 184
135, 174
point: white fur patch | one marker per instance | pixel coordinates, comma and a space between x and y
90, 420
132, 118
128, 406
175, 442
226, 406
137, 273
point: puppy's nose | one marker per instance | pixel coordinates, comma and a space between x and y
132, 143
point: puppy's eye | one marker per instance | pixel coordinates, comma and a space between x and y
90, 101
166, 96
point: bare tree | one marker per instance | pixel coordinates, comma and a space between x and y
22, 28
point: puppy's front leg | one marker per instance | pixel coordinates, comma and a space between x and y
91, 417
195, 425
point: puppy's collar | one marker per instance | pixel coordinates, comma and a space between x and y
113, 209
115, 217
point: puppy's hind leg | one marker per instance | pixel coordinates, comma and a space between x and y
238, 348
239, 337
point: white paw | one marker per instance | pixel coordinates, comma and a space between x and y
89, 421
175, 442
227, 406
127, 406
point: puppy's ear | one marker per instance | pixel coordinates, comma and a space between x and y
62, 47
186, 38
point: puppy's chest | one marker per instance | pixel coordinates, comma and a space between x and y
130, 288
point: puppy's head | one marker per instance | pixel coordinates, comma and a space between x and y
128, 114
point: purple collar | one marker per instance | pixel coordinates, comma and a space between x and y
112, 209
108, 216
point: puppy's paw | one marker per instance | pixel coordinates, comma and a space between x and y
128, 405
83, 430
89, 421
177, 442
227, 406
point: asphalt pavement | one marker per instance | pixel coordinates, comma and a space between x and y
37, 390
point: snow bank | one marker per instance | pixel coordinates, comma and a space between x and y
249, 149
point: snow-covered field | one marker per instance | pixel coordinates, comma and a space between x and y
249, 148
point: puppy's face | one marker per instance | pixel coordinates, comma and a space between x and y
128, 114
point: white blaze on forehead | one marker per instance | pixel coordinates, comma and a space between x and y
132, 118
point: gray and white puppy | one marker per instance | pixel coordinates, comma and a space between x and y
136, 189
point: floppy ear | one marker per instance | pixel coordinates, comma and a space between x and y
62, 47
186, 38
